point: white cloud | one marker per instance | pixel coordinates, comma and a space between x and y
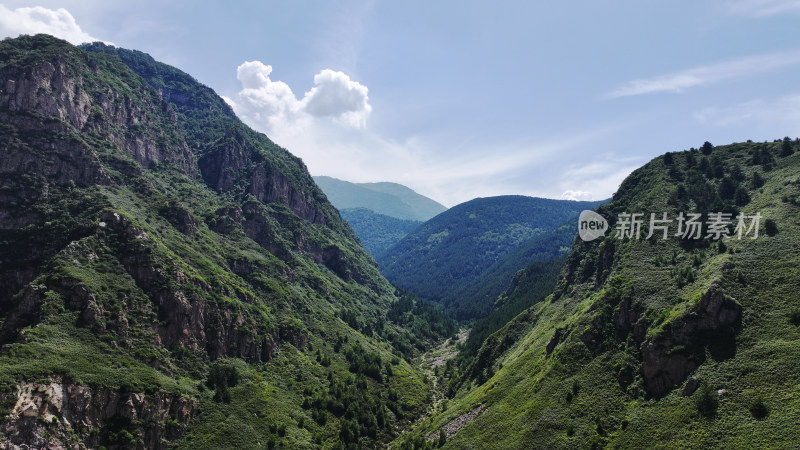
763, 8
336, 95
272, 107
326, 127
709, 74
33, 20
264, 104
576, 195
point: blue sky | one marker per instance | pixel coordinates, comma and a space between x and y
465, 99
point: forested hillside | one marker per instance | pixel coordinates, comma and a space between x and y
171, 278
686, 341
477, 297
378, 232
454, 249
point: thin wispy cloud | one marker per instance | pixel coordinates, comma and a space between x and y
782, 113
362, 155
706, 75
596, 179
763, 8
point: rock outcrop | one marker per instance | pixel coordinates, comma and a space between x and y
676, 351
57, 90
235, 159
61, 414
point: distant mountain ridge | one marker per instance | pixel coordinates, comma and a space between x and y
390, 199
456, 247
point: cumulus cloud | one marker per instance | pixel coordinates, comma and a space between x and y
37, 19
709, 74
576, 195
265, 104
271, 106
336, 95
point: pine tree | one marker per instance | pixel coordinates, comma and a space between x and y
757, 180
786, 147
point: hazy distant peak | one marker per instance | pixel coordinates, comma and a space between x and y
391, 199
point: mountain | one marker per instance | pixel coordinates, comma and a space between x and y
377, 232
172, 278
447, 253
389, 199
654, 342
477, 297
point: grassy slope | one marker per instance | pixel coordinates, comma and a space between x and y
577, 397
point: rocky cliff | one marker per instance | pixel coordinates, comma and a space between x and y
145, 233
55, 413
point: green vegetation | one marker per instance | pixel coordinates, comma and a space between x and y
626, 352
143, 254
425, 323
376, 231
145, 262
476, 298
454, 249
530, 286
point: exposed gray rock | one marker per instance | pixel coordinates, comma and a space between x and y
61, 414
673, 354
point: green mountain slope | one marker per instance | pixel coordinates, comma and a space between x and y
172, 278
376, 231
477, 297
456, 247
390, 199
655, 343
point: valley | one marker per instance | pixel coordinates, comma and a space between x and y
172, 278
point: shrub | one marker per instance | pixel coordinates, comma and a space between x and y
706, 400
758, 408
771, 227
741, 197
757, 180
794, 317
